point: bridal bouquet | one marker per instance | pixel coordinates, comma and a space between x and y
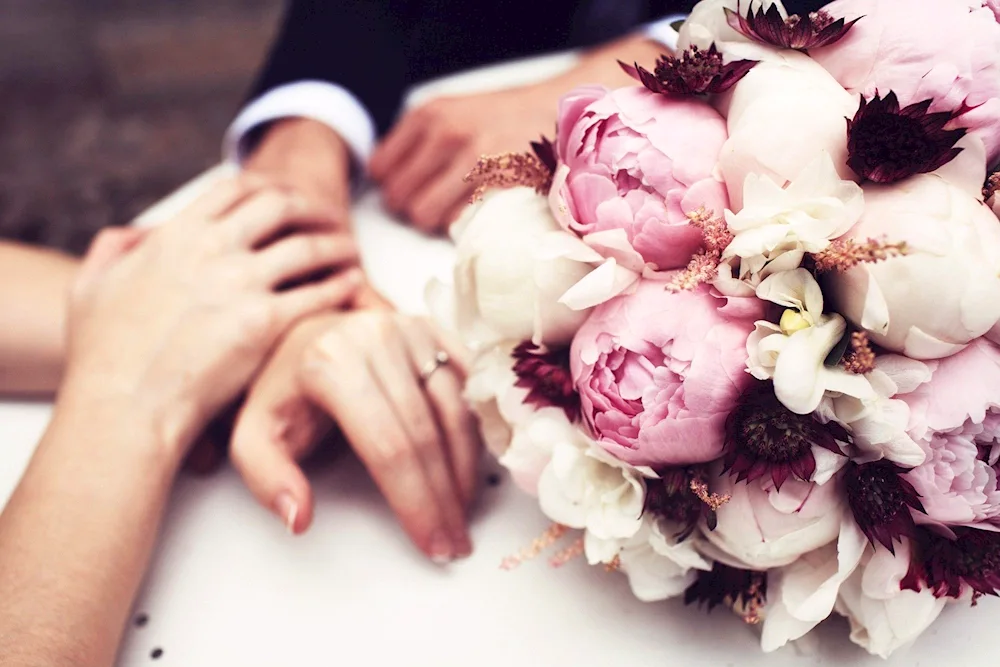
738, 325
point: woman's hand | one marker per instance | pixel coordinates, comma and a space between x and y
414, 434
171, 325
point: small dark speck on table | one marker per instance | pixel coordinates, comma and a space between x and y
156, 654
493, 479
141, 620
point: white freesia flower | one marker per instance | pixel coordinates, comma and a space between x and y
793, 352
740, 276
816, 207
506, 288
585, 487
657, 565
883, 617
803, 594
880, 426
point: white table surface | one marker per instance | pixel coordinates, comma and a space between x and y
229, 586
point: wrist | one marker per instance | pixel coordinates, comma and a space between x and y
135, 422
308, 156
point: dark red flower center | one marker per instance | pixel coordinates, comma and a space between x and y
886, 144
545, 151
795, 32
694, 72
881, 499
670, 498
947, 566
546, 374
763, 436
745, 590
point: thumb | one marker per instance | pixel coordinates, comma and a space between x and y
265, 447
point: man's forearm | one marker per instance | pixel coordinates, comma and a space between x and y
77, 536
34, 285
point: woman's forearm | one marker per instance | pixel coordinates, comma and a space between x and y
34, 284
77, 535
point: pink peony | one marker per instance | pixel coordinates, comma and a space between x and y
994, 6
955, 417
632, 164
658, 372
944, 50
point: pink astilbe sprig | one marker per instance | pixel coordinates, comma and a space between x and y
992, 185
796, 32
861, 358
694, 72
844, 254
510, 170
703, 267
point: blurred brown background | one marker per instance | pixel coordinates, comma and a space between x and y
108, 105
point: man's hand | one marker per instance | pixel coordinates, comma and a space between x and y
422, 162
308, 157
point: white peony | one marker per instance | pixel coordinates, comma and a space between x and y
945, 290
707, 25
521, 436
585, 487
657, 565
782, 116
506, 287
883, 617
803, 594
762, 528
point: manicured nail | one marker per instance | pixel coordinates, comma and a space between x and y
441, 551
287, 509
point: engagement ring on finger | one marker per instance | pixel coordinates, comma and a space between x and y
440, 359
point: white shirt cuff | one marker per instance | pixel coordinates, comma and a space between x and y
330, 104
662, 31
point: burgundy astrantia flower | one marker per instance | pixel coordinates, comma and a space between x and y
546, 376
694, 72
545, 151
886, 144
670, 497
763, 437
723, 585
815, 30
950, 567
881, 499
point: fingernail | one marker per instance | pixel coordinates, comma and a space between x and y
441, 551
287, 509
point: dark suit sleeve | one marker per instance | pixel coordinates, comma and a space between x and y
352, 43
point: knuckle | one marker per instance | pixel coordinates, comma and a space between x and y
258, 320
396, 456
